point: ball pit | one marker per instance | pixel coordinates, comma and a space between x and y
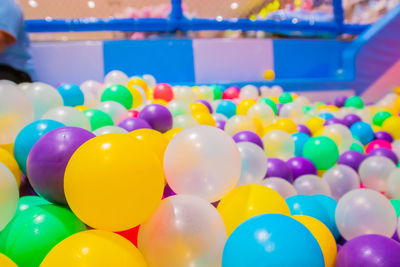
131, 172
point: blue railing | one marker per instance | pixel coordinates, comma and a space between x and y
177, 21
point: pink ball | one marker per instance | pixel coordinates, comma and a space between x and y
377, 144
231, 93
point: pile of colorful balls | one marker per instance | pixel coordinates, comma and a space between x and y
130, 172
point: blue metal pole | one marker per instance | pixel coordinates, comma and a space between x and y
176, 10
338, 14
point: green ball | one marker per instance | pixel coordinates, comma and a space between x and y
306, 109
270, 103
34, 232
357, 147
396, 205
217, 92
322, 151
380, 117
285, 98
28, 202
355, 102
118, 93
98, 118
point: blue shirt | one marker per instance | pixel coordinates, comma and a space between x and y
12, 21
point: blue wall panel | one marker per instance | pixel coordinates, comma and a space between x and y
307, 58
168, 60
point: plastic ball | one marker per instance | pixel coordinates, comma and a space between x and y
94, 248
278, 144
171, 133
115, 110
56, 146
116, 77
357, 146
9, 161
254, 163
184, 94
300, 139
155, 140
158, 116
248, 92
240, 123
6, 261
68, 116
247, 201
323, 236
113, 155
131, 124
382, 135
275, 239
184, 121
198, 108
231, 93
301, 166
291, 110
278, 168
314, 124
269, 75
340, 134
377, 144
280, 185
204, 119
244, 106
202, 161
394, 184
285, 98
350, 119
261, 112
365, 211
44, 98
248, 136
16, 111
195, 233
354, 102
311, 185
71, 94
392, 126
374, 172
363, 132
143, 82
8, 196
119, 94
341, 179
270, 103
369, 250
329, 205
227, 108
98, 118
92, 86
138, 95
380, 117
205, 93
322, 151
163, 91
178, 108
32, 234
340, 100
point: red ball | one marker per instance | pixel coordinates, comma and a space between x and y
231, 93
131, 234
133, 113
163, 91
377, 144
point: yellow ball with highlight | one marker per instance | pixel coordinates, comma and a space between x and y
244, 106
269, 75
286, 125
314, 124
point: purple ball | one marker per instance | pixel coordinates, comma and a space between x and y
382, 135
48, 160
340, 100
205, 103
278, 168
279, 106
301, 166
131, 124
333, 121
369, 251
248, 136
220, 124
303, 129
352, 159
158, 116
384, 152
168, 191
350, 119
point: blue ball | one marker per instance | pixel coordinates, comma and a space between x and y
71, 94
28, 136
272, 240
329, 205
363, 132
300, 140
326, 116
227, 108
307, 205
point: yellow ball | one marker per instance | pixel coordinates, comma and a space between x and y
154, 139
159, 101
396, 90
270, 128
247, 201
9, 148
269, 75
6, 261
138, 81
198, 108
205, 119
171, 133
314, 124
323, 236
244, 106
376, 128
392, 126
396, 104
275, 99
320, 131
8, 159
259, 127
94, 248
136, 95
332, 108
294, 96
114, 182
81, 108
321, 173
195, 88
286, 125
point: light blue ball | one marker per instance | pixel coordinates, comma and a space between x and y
227, 108
329, 205
272, 240
326, 116
28, 137
300, 140
71, 94
363, 132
